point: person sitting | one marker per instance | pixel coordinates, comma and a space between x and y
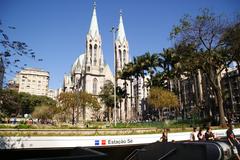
193, 135
164, 137
233, 141
200, 135
209, 135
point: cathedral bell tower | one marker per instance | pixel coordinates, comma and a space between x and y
122, 58
121, 46
94, 55
94, 64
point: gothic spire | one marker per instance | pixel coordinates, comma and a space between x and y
93, 30
121, 32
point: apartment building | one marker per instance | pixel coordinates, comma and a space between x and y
34, 81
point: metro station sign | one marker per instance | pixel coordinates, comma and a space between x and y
105, 142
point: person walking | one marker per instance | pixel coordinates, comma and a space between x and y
193, 135
233, 140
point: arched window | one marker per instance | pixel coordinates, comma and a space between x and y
124, 56
120, 58
95, 55
95, 81
90, 50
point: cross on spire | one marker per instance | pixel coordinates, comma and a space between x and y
93, 30
121, 32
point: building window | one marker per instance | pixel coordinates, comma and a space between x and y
95, 62
95, 55
101, 70
124, 56
90, 49
95, 81
120, 58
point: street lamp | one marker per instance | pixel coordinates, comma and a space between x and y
114, 30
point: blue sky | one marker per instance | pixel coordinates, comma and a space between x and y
56, 29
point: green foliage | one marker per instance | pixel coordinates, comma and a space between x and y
71, 102
44, 112
199, 47
231, 39
13, 103
160, 98
23, 126
8, 103
106, 94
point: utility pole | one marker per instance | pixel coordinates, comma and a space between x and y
114, 30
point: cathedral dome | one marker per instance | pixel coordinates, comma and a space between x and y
78, 65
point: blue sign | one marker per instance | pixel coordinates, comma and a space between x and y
96, 142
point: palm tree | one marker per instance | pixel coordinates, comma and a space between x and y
130, 72
136, 74
124, 74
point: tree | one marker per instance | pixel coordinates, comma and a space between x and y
125, 75
44, 112
25, 103
9, 103
201, 35
152, 63
28, 102
68, 104
160, 98
128, 73
71, 101
84, 99
14, 103
12, 52
106, 96
231, 39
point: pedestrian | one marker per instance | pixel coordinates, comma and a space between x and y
193, 135
233, 140
200, 135
209, 135
164, 137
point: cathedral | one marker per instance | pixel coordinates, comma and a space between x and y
89, 72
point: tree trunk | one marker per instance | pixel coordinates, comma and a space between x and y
199, 77
84, 113
137, 103
221, 110
238, 66
215, 81
159, 114
131, 99
143, 99
73, 116
220, 104
120, 109
110, 114
125, 103
77, 120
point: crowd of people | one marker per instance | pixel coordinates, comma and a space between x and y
209, 135
201, 136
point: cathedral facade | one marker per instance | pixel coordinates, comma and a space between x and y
89, 72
